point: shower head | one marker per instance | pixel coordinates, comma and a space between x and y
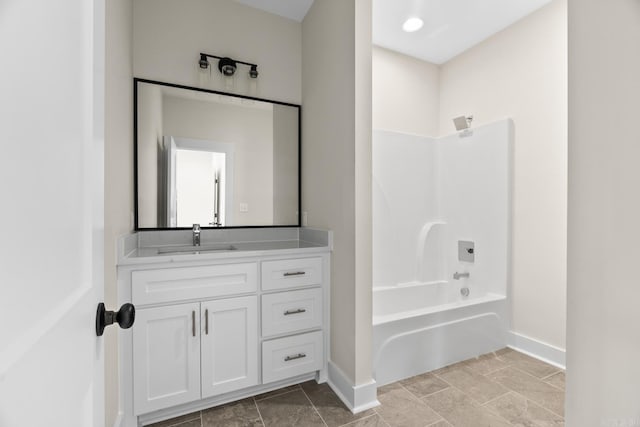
462, 122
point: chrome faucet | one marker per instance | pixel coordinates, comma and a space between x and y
458, 276
196, 234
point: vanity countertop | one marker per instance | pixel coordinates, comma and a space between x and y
170, 246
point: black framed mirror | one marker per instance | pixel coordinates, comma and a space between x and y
216, 159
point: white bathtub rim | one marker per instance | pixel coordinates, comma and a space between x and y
388, 318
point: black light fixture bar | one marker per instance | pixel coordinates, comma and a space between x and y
224, 61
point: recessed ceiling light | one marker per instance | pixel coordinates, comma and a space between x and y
412, 24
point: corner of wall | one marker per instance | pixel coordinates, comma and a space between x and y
336, 167
357, 398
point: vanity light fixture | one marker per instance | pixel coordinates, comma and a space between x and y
227, 66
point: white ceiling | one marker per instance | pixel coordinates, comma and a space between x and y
450, 26
292, 9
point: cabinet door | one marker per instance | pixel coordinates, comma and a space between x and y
166, 356
229, 345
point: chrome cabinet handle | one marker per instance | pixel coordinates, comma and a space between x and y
193, 323
294, 357
298, 311
206, 321
295, 273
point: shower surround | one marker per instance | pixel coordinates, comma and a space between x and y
432, 198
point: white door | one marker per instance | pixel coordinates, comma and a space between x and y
51, 212
166, 357
229, 345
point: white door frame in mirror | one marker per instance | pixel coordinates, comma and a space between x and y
172, 144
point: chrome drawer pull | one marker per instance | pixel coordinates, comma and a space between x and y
206, 321
295, 273
298, 311
193, 323
297, 356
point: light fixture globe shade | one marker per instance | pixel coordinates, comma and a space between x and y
412, 24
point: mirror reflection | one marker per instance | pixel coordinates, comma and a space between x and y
214, 159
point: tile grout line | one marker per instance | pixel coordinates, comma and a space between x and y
549, 376
255, 402
533, 376
509, 391
533, 400
294, 388
496, 370
178, 424
426, 395
556, 387
276, 395
539, 404
496, 415
359, 419
484, 406
480, 406
514, 364
413, 395
314, 407
380, 416
429, 406
467, 394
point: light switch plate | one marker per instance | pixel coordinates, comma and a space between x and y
244, 207
466, 251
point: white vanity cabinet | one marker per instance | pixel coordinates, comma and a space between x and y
166, 356
215, 328
229, 346
186, 352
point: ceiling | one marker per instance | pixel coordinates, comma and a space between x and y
450, 26
292, 9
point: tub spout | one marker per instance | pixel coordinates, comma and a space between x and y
458, 276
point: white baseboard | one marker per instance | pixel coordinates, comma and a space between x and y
357, 398
540, 350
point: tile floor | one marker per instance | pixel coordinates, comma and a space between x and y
505, 388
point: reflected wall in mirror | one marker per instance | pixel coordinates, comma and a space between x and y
214, 159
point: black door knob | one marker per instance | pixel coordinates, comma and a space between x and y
124, 317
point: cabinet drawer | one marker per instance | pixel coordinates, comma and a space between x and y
290, 356
291, 273
286, 312
176, 284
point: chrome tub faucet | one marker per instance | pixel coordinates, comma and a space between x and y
458, 276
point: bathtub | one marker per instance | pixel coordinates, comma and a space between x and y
419, 327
